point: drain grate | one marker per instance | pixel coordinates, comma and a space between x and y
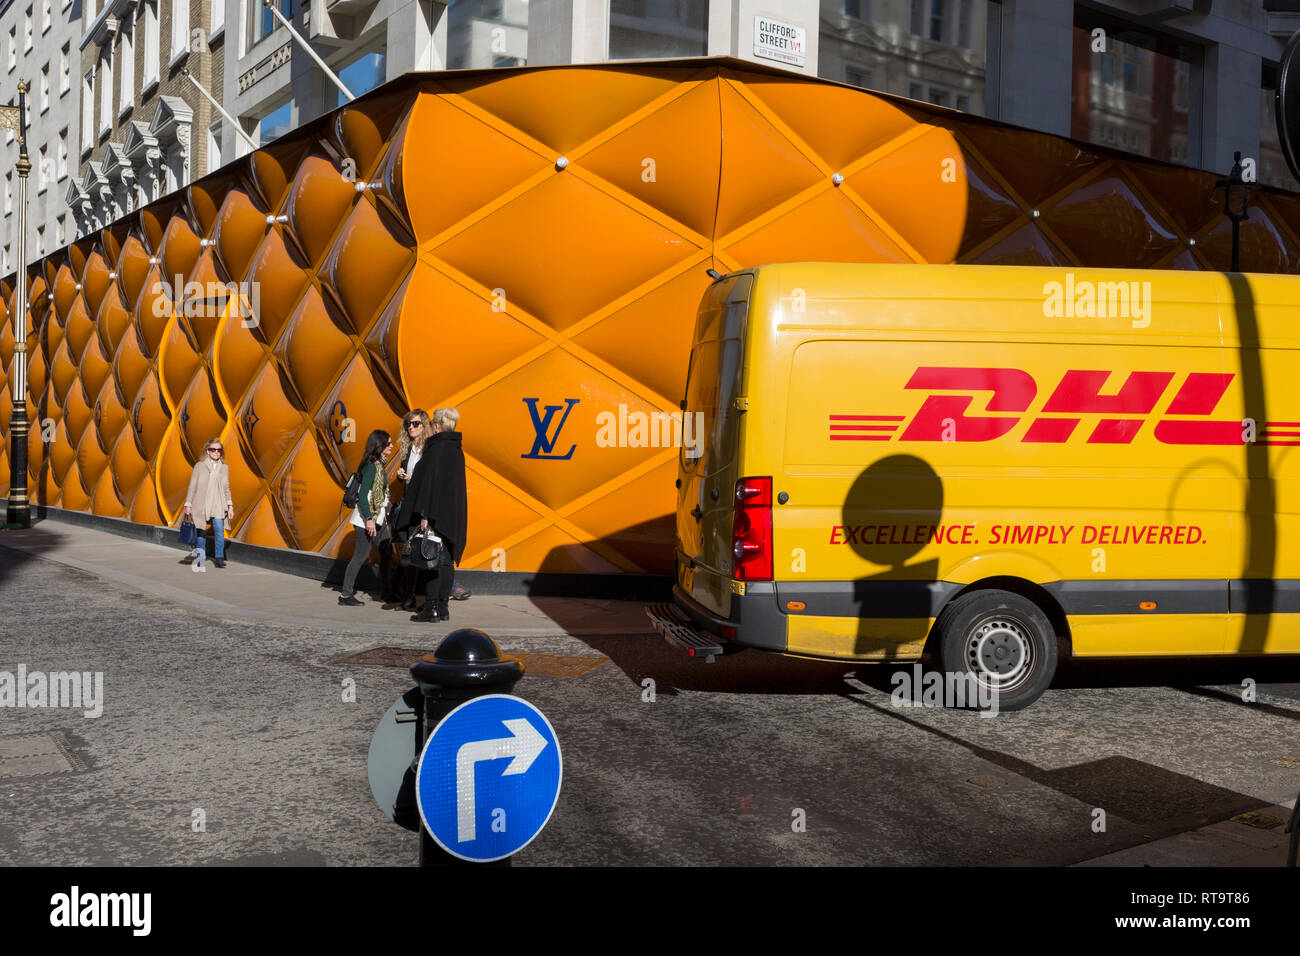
546, 665
36, 755
386, 656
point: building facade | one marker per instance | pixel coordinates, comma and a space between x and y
143, 123
119, 123
38, 43
1165, 79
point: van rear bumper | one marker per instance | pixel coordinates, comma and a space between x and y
756, 619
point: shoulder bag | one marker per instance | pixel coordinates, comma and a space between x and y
423, 550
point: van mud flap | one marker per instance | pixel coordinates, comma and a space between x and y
679, 631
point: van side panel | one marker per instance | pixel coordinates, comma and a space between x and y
932, 428
1262, 340
1122, 443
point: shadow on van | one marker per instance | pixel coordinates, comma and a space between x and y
1260, 559
884, 515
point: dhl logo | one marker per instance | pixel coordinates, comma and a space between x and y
1079, 393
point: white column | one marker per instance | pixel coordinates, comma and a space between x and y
417, 38
1230, 116
1036, 56
590, 31
731, 29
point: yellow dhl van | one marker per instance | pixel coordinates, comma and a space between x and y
994, 465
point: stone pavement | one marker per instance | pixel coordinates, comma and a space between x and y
255, 594
251, 593
1235, 842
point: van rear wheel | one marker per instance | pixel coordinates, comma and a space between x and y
1004, 640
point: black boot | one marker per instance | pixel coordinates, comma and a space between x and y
443, 613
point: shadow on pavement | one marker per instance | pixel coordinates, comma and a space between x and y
1160, 801
749, 672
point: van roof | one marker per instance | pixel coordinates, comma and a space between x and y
1166, 304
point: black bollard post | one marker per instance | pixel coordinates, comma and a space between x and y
467, 664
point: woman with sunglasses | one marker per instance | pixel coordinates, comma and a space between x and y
437, 498
209, 492
369, 517
416, 430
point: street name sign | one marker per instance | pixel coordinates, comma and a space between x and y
780, 41
489, 778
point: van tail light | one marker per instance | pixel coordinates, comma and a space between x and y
751, 534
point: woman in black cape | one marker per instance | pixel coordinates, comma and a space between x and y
435, 498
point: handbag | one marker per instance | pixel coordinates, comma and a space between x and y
189, 534
423, 550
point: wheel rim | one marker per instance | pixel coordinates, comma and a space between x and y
1000, 652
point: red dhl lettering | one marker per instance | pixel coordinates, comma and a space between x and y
1117, 417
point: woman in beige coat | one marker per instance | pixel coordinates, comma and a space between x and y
209, 494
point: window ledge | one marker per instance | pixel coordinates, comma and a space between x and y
177, 56
149, 86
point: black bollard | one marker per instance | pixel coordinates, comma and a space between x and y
467, 664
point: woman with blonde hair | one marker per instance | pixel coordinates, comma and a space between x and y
436, 500
209, 492
416, 430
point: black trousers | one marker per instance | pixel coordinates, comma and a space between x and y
361, 551
438, 583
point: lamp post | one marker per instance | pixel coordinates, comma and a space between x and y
1235, 188
20, 511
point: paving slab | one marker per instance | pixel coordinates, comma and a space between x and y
259, 594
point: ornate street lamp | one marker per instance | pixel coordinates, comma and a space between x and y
20, 512
1236, 197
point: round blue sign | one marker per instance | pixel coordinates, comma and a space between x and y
489, 778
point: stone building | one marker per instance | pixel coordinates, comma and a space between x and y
145, 128
38, 43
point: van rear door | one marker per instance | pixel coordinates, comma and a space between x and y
705, 499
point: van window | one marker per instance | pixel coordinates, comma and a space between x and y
714, 376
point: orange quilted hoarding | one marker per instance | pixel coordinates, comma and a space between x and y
528, 245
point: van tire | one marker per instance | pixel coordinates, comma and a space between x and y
991, 633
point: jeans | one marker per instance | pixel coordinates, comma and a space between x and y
361, 552
219, 542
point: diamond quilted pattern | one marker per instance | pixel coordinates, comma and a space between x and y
1107, 224
540, 301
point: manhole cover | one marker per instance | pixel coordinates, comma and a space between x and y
36, 755
386, 656
546, 665
552, 665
